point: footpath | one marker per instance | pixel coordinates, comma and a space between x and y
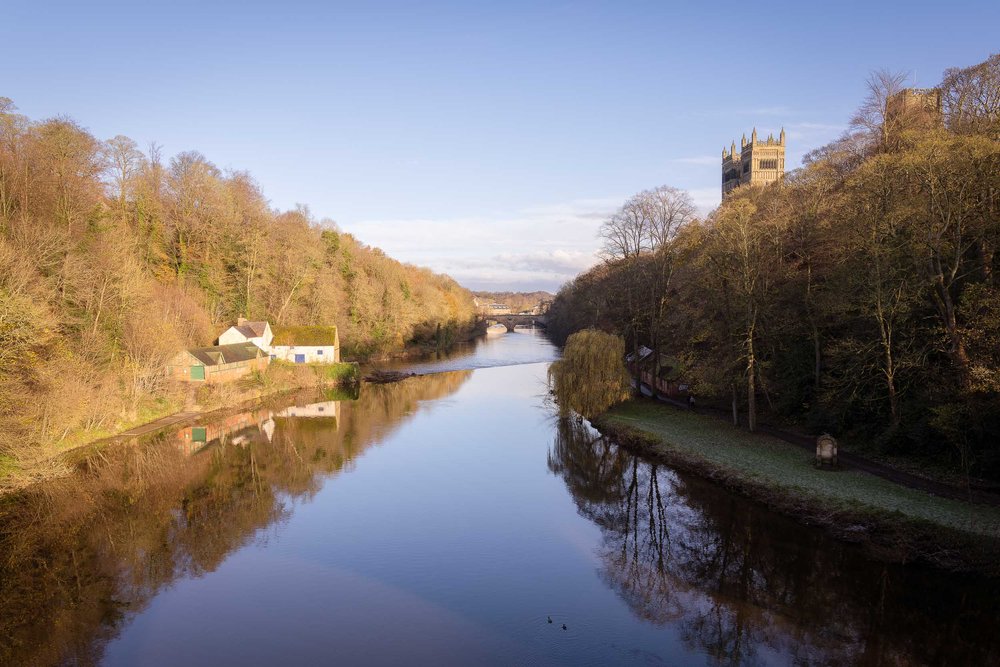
974, 493
154, 426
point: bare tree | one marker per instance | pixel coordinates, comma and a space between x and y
646, 222
874, 116
667, 210
626, 233
745, 250
971, 97
123, 160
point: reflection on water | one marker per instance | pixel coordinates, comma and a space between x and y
522, 346
745, 586
79, 555
443, 520
237, 429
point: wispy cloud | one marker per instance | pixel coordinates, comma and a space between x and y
549, 261
538, 247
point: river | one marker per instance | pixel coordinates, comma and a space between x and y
446, 519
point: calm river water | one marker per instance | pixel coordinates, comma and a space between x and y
448, 519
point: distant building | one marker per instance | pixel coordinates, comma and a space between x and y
758, 163
498, 309
542, 307
306, 345
220, 363
912, 109
660, 373
246, 331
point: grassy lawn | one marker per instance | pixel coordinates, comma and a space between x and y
767, 461
342, 373
347, 372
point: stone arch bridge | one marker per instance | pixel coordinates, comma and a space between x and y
511, 321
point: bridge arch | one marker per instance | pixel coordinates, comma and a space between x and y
511, 321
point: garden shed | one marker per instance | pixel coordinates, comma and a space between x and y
219, 363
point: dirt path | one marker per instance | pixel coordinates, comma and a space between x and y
849, 460
155, 425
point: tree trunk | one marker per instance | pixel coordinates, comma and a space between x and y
736, 409
751, 389
635, 365
817, 358
957, 345
893, 399
986, 252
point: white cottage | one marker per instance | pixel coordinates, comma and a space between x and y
257, 332
306, 345
312, 410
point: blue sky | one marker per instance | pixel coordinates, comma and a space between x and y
485, 140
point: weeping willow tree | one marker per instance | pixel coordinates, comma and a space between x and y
591, 376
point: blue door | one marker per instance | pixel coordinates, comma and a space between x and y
300, 358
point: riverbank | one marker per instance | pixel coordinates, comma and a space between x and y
433, 345
176, 407
180, 402
892, 521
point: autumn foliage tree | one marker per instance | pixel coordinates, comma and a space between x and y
858, 295
113, 258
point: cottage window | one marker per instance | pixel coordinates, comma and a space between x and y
319, 351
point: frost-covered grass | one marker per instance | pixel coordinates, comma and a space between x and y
780, 466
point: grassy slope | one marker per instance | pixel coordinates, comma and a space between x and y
758, 460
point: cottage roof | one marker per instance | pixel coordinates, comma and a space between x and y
316, 335
226, 354
247, 331
252, 329
644, 353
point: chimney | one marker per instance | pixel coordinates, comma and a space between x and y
240, 321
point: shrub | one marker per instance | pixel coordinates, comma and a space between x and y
591, 376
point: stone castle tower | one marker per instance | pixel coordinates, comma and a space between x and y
758, 163
911, 109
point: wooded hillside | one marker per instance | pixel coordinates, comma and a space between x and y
859, 295
113, 258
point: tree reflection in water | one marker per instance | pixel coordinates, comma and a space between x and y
745, 586
81, 555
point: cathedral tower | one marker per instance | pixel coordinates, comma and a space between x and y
759, 162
